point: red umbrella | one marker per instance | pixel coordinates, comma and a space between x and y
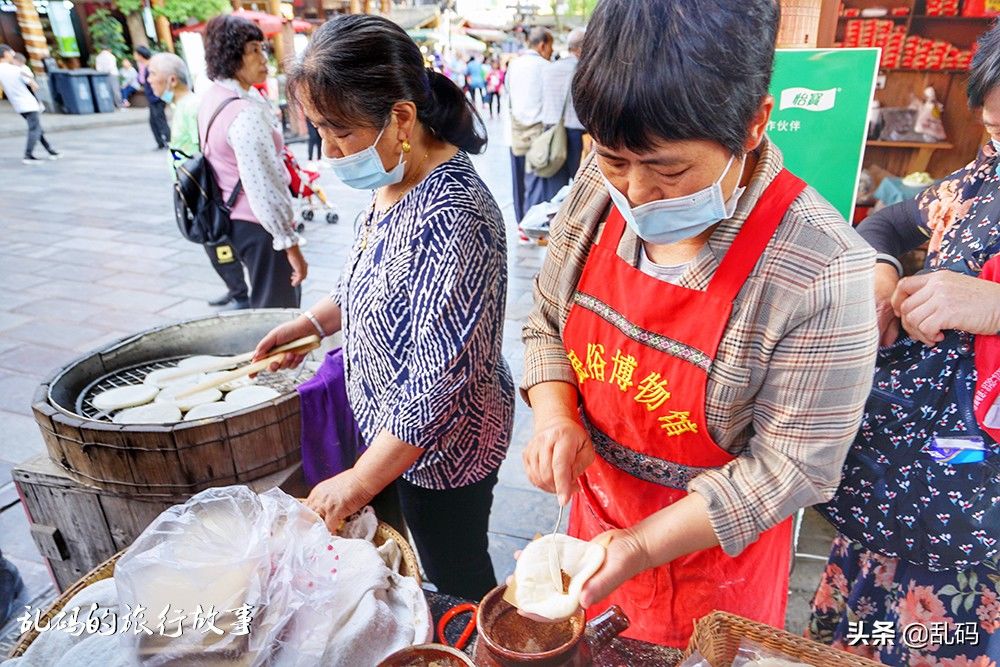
269, 24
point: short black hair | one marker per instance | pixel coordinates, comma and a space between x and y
985, 73
675, 69
226, 38
357, 66
144, 52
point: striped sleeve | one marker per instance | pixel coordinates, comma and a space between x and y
807, 411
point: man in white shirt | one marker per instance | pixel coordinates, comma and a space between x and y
106, 62
524, 91
557, 80
19, 90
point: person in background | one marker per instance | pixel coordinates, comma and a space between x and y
420, 300
157, 107
11, 586
19, 89
315, 141
106, 62
924, 323
476, 81
244, 147
169, 78
524, 92
457, 71
129, 78
494, 85
557, 101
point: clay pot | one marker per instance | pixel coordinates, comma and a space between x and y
506, 638
425, 654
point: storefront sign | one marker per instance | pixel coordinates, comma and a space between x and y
820, 117
62, 29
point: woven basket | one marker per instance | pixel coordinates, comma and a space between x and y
106, 570
718, 635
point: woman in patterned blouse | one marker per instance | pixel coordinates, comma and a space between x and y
421, 298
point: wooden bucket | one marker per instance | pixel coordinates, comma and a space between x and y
170, 462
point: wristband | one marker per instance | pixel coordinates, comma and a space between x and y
315, 322
883, 258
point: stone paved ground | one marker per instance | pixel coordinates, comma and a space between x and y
90, 253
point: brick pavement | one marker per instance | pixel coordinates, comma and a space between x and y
91, 253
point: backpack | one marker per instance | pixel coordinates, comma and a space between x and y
548, 151
201, 214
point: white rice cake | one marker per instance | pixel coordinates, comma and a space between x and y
125, 397
187, 402
203, 362
227, 386
244, 397
537, 586
162, 377
154, 413
210, 410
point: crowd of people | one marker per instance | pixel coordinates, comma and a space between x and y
705, 333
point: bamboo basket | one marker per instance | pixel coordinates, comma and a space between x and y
718, 635
408, 567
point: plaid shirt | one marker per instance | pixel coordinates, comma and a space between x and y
794, 367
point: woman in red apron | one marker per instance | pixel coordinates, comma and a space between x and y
695, 410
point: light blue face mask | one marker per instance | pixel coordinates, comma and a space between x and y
671, 220
363, 170
168, 96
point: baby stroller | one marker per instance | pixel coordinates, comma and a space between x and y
310, 195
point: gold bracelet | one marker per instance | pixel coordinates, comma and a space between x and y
315, 322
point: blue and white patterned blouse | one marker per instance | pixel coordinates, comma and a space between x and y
423, 311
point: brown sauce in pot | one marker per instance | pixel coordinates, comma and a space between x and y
522, 635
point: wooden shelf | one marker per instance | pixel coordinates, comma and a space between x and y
923, 71
875, 18
962, 19
938, 145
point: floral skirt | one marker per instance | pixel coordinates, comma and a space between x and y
898, 613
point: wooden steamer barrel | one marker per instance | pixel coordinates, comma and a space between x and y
103, 483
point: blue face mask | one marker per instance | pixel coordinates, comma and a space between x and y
363, 170
168, 95
670, 220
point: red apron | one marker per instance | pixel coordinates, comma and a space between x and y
642, 350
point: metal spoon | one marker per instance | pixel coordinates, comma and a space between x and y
555, 568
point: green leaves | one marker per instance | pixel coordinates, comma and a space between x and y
181, 11
106, 33
128, 6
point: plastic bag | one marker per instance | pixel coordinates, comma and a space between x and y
696, 659
284, 591
752, 654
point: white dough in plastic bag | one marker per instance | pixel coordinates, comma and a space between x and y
312, 595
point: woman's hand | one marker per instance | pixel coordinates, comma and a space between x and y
932, 303
281, 334
300, 268
339, 497
886, 279
557, 455
626, 557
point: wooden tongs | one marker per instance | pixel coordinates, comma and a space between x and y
277, 355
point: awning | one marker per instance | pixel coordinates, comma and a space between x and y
269, 24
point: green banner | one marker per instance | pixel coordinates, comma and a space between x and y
820, 117
62, 29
